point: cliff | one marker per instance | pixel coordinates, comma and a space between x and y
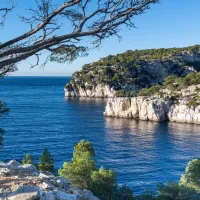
177, 100
23, 182
127, 73
152, 109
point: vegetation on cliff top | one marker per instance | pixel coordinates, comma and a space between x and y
172, 86
129, 68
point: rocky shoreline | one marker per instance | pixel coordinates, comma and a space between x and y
25, 182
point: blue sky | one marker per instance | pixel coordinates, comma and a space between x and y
171, 23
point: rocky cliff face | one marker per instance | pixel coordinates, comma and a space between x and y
156, 109
99, 91
130, 72
25, 182
152, 109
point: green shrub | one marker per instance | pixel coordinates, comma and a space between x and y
120, 93
147, 195
124, 193
104, 184
27, 159
193, 103
174, 191
46, 162
83, 164
150, 91
192, 174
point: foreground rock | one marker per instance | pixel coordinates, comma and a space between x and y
25, 182
156, 109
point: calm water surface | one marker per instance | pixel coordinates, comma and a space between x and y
142, 153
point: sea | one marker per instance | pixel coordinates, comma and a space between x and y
142, 153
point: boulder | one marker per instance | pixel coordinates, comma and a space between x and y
49, 196
47, 175
26, 193
63, 183
64, 196
29, 168
13, 164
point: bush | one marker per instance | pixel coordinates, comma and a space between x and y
174, 191
46, 162
82, 172
27, 159
149, 91
83, 164
193, 103
147, 195
192, 174
120, 93
124, 193
104, 183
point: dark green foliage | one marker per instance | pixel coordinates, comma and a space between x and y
131, 94
147, 195
1, 138
83, 173
67, 53
83, 164
3, 109
192, 174
193, 103
148, 54
149, 91
27, 159
174, 191
173, 82
120, 93
124, 193
46, 162
104, 184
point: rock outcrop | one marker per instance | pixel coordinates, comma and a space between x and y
131, 71
153, 109
25, 182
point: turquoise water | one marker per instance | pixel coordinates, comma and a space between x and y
142, 153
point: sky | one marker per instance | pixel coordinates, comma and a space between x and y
171, 23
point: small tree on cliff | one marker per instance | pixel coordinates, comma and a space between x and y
27, 159
46, 162
82, 172
83, 164
104, 183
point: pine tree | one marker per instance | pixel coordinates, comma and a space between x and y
27, 159
83, 164
46, 162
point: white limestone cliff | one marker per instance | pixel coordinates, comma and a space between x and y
153, 109
99, 91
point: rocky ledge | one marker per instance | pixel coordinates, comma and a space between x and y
25, 182
155, 108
